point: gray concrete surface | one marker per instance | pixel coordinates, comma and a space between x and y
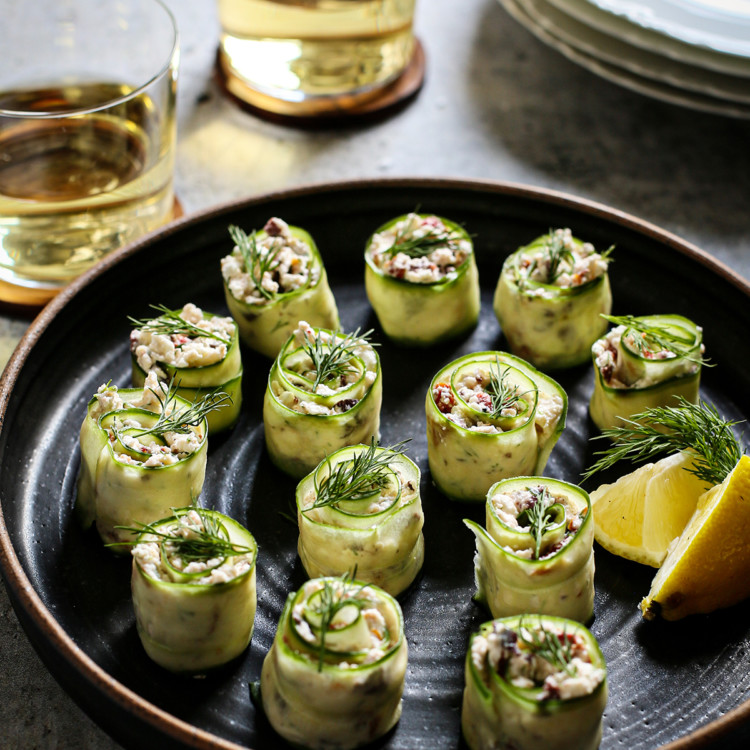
497, 104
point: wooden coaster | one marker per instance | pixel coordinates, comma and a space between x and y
28, 300
326, 111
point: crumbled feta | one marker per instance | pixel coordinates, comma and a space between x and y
291, 265
440, 264
506, 652
352, 385
190, 525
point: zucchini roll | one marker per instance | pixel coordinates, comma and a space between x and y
272, 279
197, 350
537, 553
550, 297
534, 683
193, 587
334, 675
143, 452
421, 279
490, 416
361, 508
324, 392
644, 362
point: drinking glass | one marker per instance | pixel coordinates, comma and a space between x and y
87, 135
313, 57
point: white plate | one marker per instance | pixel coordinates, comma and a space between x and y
723, 25
625, 78
634, 59
666, 46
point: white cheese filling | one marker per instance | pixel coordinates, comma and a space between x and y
188, 349
579, 264
613, 366
218, 570
300, 402
440, 264
502, 651
291, 266
176, 445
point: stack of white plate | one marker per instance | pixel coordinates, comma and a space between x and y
695, 53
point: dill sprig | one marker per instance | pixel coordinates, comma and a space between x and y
538, 516
357, 478
689, 427
656, 338
334, 596
179, 420
170, 323
419, 247
553, 648
210, 543
331, 359
504, 394
257, 263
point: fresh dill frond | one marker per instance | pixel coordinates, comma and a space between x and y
419, 247
686, 427
538, 516
180, 419
332, 359
357, 478
334, 596
257, 263
170, 323
553, 648
504, 394
656, 338
200, 545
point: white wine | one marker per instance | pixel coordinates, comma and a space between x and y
73, 188
298, 50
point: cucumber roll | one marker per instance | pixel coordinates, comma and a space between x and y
143, 452
490, 416
324, 392
193, 585
197, 350
334, 675
272, 279
361, 508
537, 553
644, 362
534, 683
550, 297
421, 279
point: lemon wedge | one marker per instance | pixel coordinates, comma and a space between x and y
643, 512
709, 567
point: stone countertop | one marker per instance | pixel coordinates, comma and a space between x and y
497, 104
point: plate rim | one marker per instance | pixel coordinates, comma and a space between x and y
20, 589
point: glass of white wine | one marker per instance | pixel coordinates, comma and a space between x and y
316, 58
87, 135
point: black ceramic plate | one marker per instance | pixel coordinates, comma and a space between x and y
73, 598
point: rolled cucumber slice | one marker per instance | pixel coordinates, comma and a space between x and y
306, 421
635, 371
361, 508
267, 320
542, 564
422, 312
194, 381
332, 687
197, 620
469, 448
552, 325
543, 714
117, 488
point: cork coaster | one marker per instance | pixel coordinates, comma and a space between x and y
326, 111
